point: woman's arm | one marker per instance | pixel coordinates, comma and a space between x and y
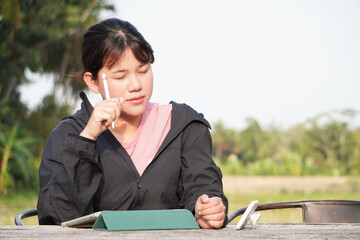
200, 176
210, 212
69, 177
69, 172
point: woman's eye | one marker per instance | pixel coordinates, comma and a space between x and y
144, 71
120, 77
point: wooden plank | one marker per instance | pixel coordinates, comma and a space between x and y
262, 231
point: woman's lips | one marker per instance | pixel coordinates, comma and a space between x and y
136, 100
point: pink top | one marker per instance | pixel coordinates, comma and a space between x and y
154, 126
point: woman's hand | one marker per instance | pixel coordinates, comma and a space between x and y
104, 113
210, 212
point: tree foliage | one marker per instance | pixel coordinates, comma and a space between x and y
44, 37
324, 145
14, 147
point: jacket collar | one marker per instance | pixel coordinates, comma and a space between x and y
82, 116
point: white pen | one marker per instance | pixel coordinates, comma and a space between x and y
107, 94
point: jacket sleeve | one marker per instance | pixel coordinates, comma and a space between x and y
199, 174
69, 177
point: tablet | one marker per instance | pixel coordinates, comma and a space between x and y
86, 221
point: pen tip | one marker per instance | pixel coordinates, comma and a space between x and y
103, 75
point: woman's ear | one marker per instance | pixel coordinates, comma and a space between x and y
91, 82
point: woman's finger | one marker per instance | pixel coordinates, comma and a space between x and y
216, 224
203, 223
213, 202
219, 216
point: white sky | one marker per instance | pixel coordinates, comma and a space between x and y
280, 62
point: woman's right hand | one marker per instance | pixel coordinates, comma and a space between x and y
104, 113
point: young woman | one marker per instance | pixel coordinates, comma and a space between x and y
127, 153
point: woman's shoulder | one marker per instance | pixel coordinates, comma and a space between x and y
70, 124
61, 130
185, 113
183, 107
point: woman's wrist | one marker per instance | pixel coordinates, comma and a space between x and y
85, 134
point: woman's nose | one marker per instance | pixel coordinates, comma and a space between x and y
135, 84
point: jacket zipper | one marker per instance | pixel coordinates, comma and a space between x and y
138, 189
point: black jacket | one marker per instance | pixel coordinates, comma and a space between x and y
79, 176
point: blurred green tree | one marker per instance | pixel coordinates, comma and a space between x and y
324, 145
38, 36
14, 147
43, 36
251, 139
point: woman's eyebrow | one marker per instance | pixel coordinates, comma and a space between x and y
118, 71
123, 70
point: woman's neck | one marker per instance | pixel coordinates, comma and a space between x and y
125, 130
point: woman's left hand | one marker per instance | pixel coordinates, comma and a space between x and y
210, 212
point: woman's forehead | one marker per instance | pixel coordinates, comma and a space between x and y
125, 60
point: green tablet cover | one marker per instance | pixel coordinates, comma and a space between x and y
145, 220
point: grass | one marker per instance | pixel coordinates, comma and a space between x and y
289, 190
12, 204
237, 201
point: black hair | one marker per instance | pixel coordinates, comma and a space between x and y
105, 42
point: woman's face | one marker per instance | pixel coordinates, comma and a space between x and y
130, 79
